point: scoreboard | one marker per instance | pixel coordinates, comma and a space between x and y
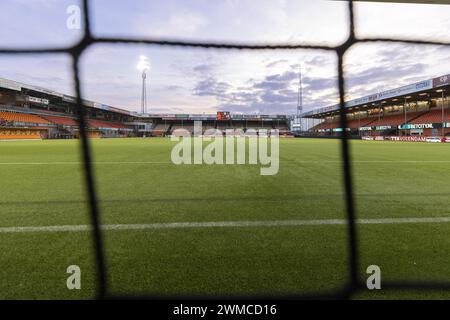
223, 115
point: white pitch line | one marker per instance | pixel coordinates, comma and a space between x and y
168, 162
223, 224
373, 161
78, 163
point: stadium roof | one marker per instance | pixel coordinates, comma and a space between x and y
18, 86
431, 88
409, 1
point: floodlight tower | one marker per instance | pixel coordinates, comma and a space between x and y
300, 99
143, 66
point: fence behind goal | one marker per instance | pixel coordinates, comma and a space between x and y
354, 283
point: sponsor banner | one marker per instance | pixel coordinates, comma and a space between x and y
419, 126
198, 118
413, 138
408, 89
8, 84
441, 81
419, 139
381, 128
365, 128
434, 139
340, 129
424, 85
88, 103
37, 100
376, 138
108, 108
251, 116
69, 99
168, 116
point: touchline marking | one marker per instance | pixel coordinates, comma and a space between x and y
222, 224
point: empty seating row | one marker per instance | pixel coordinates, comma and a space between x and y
11, 134
22, 117
62, 120
106, 124
434, 116
161, 127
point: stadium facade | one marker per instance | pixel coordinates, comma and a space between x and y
32, 112
420, 109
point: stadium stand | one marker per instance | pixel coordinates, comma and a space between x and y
105, 124
397, 119
358, 123
160, 129
61, 121
22, 118
188, 127
433, 116
20, 134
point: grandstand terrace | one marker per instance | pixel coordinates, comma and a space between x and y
166, 124
31, 112
420, 108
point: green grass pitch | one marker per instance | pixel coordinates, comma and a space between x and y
41, 184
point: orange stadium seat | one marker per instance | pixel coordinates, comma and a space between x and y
11, 134
397, 119
22, 117
434, 116
62, 120
105, 124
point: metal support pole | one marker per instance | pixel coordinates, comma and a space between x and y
144, 93
443, 116
404, 111
359, 122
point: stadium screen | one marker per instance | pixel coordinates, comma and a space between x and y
223, 115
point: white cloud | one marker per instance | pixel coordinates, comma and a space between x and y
179, 24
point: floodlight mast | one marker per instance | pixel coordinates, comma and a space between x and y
143, 65
300, 99
144, 92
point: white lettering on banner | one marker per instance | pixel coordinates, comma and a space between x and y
383, 127
37, 100
421, 126
412, 88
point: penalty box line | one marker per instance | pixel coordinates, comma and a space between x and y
221, 224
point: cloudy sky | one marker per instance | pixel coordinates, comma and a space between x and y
198, 80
